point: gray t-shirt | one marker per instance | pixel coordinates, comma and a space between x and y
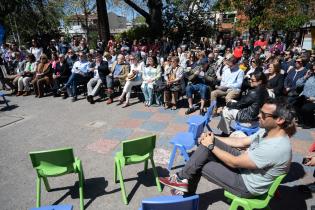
272, 157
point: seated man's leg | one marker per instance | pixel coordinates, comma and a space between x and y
232, 94
190, 89
90, 86
192, 171
227, 116
97, 87
76, 79
216, 93
203, 89
109, 84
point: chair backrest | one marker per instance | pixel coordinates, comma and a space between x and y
209, 111
139, 146
247, 130
196, 130
273, 188
59, 157
171, 203
4, 71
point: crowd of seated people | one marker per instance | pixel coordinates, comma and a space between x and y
168, 73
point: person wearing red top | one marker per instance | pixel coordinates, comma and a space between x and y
261, 42
238, 50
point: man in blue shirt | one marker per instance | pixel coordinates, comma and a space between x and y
79, 73
230, 85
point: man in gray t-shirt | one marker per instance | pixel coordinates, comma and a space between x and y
247, 173
271, 156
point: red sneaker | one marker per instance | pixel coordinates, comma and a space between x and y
174, 182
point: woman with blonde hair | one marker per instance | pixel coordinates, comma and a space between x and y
43, 76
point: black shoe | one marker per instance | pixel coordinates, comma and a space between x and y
189, 111
92, 100
88, 98
63, 89
224, 135
65, 96
74, 99
202, 112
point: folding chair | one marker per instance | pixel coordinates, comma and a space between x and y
135, 151
259, 202
52, 163
171, 203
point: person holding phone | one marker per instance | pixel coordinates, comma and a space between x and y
246, 174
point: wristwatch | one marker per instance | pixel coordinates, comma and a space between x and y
210, 147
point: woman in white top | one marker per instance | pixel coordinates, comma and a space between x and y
151, 73
134, 78
28, 73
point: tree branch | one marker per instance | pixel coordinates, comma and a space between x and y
138, 9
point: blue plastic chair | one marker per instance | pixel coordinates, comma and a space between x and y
4, 99
197, 119
185, 141
171, 203
54, 207
247, 130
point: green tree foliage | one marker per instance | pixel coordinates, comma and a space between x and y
188, 18
268, 14
24, 19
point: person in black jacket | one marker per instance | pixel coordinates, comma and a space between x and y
247, 109
275, 80
61, 74
100, 70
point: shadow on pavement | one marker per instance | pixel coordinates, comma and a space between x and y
208, 198
93, 188
146, 179
8, 108
290, 199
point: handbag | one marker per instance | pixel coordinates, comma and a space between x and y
160, 85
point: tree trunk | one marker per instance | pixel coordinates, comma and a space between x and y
153, 18
102, 21
156, 23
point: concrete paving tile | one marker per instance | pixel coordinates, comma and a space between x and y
140, 133
300, 146
162, 117
140, 115
127, 123
118, 133
102, 146
304, 135
175, 128
154, 126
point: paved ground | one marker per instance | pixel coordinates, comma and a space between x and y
95, 131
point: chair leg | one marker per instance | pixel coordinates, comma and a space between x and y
122, 185
46, 183
170, 164
146, 166
115, 172
158, 184
5, 100
184, 153
81, 183
38, 189
208, 127
234, 206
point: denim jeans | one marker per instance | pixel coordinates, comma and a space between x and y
202, 88
148, 93
72, 83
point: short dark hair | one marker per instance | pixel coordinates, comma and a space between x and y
260, 76
285, 111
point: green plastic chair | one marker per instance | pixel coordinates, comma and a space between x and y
133, 152
52, 163
258, 202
